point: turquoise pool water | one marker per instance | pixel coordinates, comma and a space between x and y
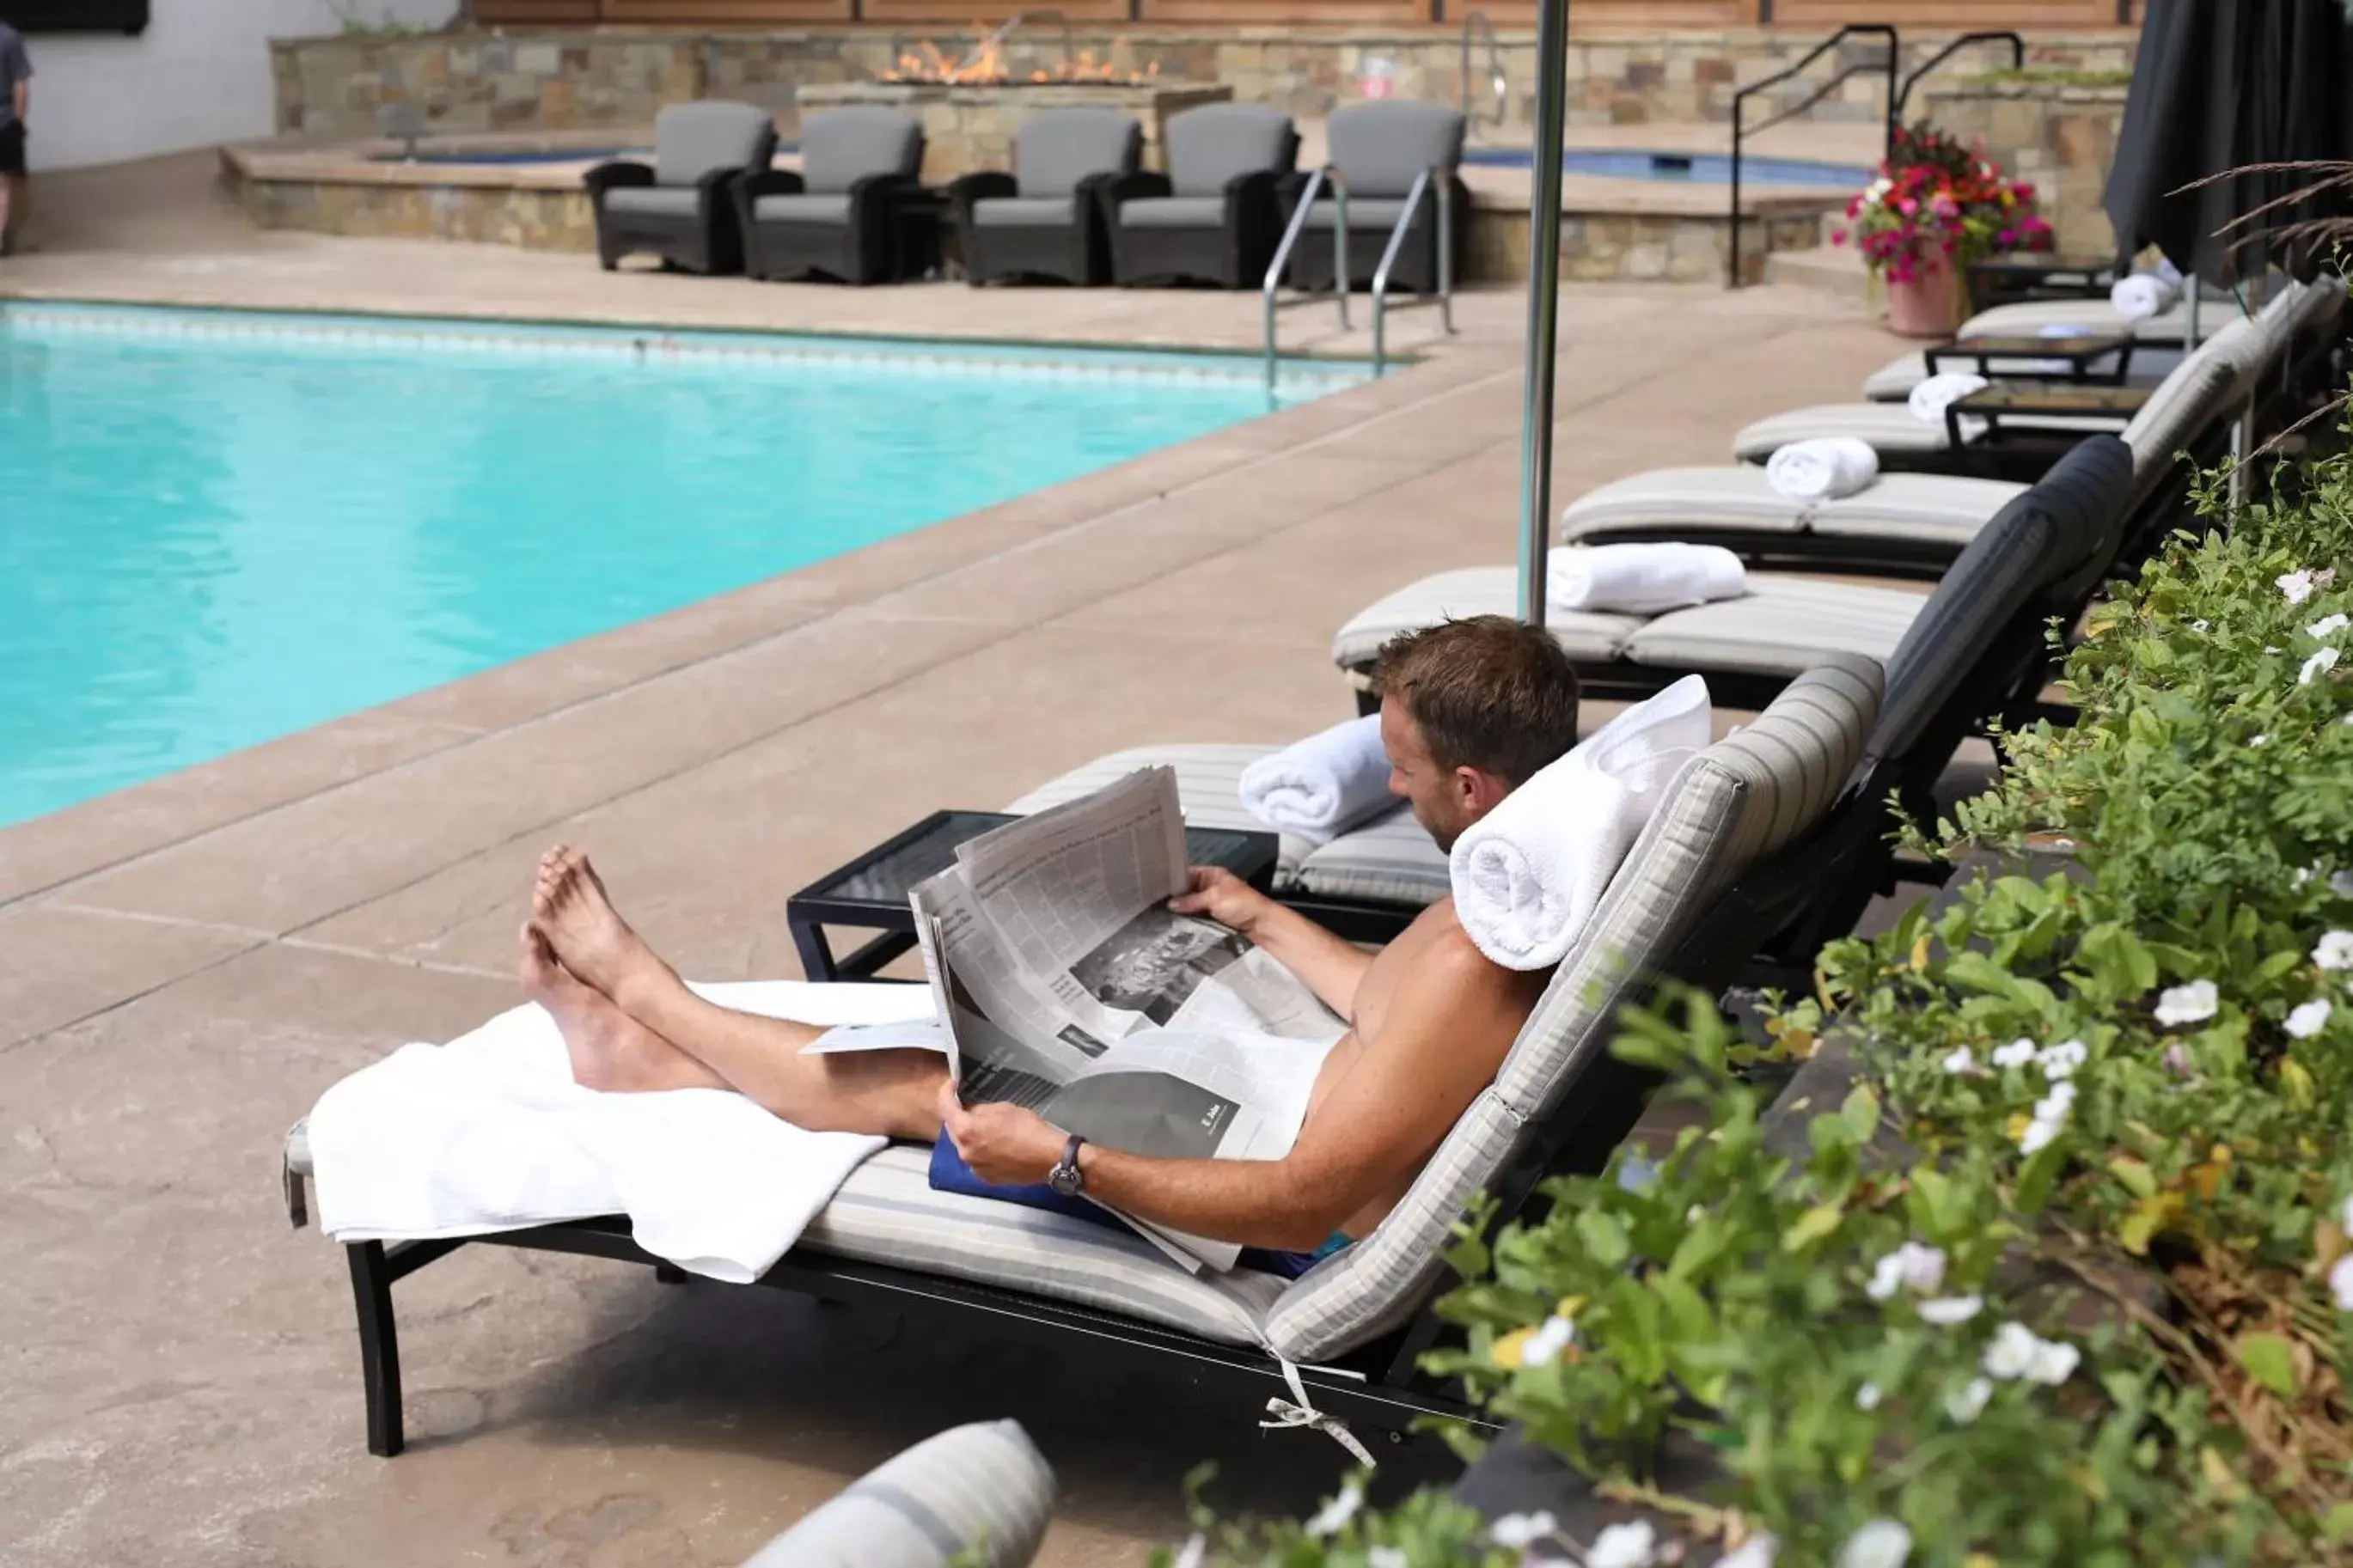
217, 529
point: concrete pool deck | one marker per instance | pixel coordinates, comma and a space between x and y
190, 962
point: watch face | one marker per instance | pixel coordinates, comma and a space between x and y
1064, 1179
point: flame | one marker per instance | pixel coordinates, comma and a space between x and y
986, 64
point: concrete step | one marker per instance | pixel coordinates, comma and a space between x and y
1833, 269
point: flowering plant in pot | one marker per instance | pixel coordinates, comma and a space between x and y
1934, 207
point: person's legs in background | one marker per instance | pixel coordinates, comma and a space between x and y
12, 185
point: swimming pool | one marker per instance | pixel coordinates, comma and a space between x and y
223, 527
1691, 168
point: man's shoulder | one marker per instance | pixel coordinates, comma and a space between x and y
1445, 949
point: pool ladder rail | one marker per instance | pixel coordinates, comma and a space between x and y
1499, 81
1431, 185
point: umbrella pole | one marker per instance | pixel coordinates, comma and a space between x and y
1544, 304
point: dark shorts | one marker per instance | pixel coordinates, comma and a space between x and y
12, 148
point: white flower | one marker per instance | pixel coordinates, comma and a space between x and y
2062, 1059
2055, 1105
1196, 1549
2198, 626
2259, 741
1633, 1545
2011, 1354
2345, 1217
2188, 1004
1963, 1061
2037, 1136
1945, 1312
2327, 624
2319, 664
1867, 1396
1387, 1557
2333, 950
1338, 1511
1757, 1552
2016, 1054
1544, 1346
2341, 884
1921, 1267
1882, 1543
2054, 1362
1521, 1530
1965, 1404
2340, 1281
2308, 1020
2297, 585
2303, 874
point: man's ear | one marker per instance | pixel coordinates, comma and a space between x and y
1480, 790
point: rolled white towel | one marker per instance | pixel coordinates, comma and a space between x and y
1929, 399
2166, 269
1320, 786
2140, 294
1528, 876
1641, 579
1822, 468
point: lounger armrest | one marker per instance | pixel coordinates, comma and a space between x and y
978, 187
1138, 186
620, 172
884, 190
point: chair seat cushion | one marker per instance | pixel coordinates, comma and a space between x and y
818, 207
1366, 215
887, 1212
1471, 591
1173, 212
1391, 860
1885, 428
979, 1493
1024, 212
1734, 496
656, 201
1209, 787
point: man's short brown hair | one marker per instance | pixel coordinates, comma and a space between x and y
1488, 692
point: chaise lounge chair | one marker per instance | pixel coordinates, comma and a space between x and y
2156, 339
979, 1493
1216, 216
1046, 218
678, 206
1729, 848
1398, 162
838, 216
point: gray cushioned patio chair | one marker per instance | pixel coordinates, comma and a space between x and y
678, 206
1046, 218
839, 215
1380, 149
1217, 215
982, 1489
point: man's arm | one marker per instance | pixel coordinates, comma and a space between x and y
1329, 966
1442, 1038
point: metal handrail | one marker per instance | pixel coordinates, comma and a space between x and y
1999, 36
1499, 84
1422, 184
1328, 174
1883, 29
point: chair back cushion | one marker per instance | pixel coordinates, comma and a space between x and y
1055, 150
982, 1489
1208, 146
842, 146
2053, 533
1380, 146
2208, 384
693, 139
1741, 798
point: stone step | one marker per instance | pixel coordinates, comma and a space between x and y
1833, 269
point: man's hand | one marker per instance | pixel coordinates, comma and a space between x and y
1005, 1144
1223, 896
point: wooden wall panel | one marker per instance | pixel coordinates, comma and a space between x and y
969, 11
1586, 16
528, 13
1284, 13
2040, 16
707, 13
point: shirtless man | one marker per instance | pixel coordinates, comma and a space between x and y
1470, 710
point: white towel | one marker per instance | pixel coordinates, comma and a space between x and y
489, 1132
2137, 296
1320, 788
2063, 329
1822, 469
1528, 876
1641, 579
1929, 399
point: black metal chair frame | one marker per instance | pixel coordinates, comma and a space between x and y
866, 249
1078, 253
711, 242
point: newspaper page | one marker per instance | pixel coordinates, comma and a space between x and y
1066, 985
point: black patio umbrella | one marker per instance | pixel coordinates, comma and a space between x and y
2222, 85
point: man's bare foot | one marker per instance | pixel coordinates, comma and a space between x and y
590, 937
609, 1049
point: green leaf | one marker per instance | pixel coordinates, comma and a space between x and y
1604, 1238
1811, 1227
2137, 1178
2337, 1523
2269, 1360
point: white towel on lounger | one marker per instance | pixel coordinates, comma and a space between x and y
1929, 399
1320, 788
2137, 296
489, 1133
1822, 468
1528, 876
1641, 579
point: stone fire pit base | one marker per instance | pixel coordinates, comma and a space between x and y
971, 127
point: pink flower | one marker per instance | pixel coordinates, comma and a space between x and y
1907, 207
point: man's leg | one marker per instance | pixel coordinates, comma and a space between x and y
12, 207
895, 1093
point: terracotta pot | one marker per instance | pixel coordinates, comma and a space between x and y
1929, 305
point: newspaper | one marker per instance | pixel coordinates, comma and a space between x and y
1065, 984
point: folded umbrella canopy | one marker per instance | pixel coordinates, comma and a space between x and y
2230, 84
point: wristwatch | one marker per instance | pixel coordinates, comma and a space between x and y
1066, 1178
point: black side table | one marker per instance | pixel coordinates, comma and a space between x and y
2038, 275
2077, 353
869, 893
918, 217
2045, 399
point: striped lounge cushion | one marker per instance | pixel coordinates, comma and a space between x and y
1391, 860
1734, 498
1209, 788
1470, 591
1742, 797
982, 1489
888, 1212
1888, 428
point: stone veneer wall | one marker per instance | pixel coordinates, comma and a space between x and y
969, 128
2060, 136
558, 80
